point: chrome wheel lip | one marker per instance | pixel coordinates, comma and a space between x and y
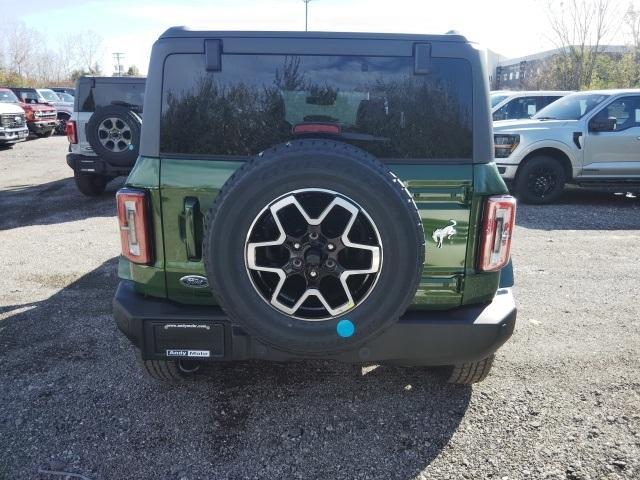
250, 265
115, 134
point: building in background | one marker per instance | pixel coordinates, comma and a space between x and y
521, 73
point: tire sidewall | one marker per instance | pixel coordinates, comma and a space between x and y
521, 184
402, 250
122, 159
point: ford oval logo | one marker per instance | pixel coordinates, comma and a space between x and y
194, 281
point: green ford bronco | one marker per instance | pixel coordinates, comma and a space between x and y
315, 196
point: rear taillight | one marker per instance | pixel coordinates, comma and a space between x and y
497, 228
70, 129
133, 217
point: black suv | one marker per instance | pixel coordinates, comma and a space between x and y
104, 131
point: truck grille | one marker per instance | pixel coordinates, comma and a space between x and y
45, 115
12, 120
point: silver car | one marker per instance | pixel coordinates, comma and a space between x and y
586, 138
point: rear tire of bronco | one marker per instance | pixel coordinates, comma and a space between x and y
348, 265
90, 184
468, 373
170, 371
540, 180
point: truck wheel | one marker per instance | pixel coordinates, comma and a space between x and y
468, 373
171, 371
61, 127
90, 184
314, 247
540, 180
114, 134
46, 134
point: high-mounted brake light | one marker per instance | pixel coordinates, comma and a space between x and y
72, 134
497, 229
133, 218
325, 128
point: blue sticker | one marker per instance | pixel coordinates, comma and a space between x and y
131, 147
345, 328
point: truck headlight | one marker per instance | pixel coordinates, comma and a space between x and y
505, 144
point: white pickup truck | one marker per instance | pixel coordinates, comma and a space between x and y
586, 138
13, 126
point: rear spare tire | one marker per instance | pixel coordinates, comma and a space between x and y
314, 247
114, 134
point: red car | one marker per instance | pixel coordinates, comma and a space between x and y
41, 117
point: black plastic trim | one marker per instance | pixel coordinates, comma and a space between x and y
246, 158
463, 334
97, 165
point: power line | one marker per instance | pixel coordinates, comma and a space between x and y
306, 14
117, 56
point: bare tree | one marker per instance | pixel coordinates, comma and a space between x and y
579, 29
632, 21
20, 42
88, 49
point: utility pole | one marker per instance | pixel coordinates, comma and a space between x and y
306, 14
117, 56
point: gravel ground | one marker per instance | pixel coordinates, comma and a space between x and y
562, 402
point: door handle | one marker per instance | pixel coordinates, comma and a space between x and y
191, 209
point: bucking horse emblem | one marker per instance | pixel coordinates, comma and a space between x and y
445, 232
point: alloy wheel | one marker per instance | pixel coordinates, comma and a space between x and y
114, 134
313, 254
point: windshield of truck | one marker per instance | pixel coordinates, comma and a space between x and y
496, 98
7, 96
571, 107
49, 95
29, 96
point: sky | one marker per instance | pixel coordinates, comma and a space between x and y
512, 28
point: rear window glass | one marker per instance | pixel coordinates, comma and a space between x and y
105, 94
255, 101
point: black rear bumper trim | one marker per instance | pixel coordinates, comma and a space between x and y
464, 334
97, 165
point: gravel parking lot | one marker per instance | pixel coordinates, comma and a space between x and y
563, 401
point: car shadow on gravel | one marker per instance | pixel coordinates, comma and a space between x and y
54, 202
582, 209
73, 399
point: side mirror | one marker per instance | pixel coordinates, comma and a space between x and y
603, 124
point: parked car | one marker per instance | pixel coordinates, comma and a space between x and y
306, 204
104, 130
586, 138
64, 108
41, 116
68, 90
13, 125
523, 104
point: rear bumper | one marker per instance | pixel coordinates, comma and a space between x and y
94, 164
162, 329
